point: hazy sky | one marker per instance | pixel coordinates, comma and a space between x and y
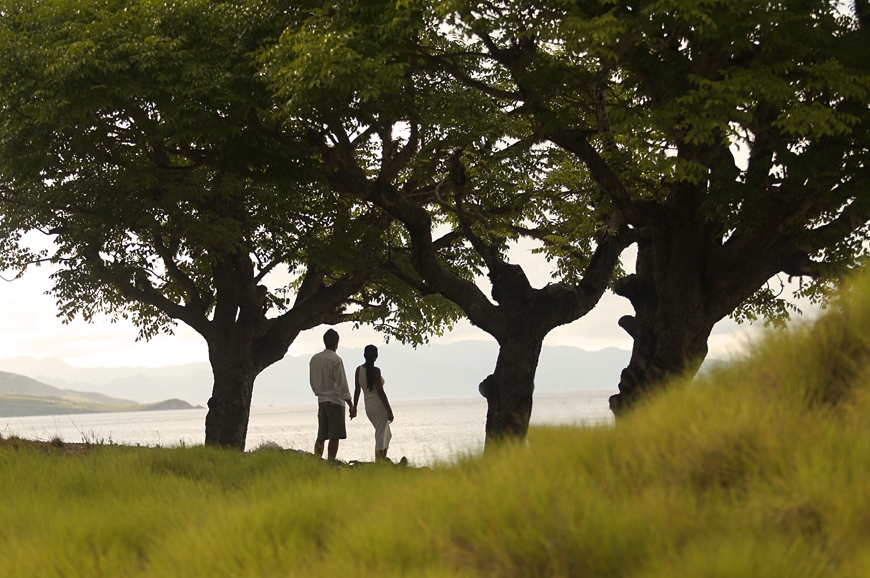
30, 327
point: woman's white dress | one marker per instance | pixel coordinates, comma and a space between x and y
376, 411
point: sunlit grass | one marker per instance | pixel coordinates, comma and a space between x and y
760, 469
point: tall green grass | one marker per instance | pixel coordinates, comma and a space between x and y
760, 469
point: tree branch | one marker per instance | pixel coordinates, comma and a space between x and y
194, 295
446, 63
637, 213
489, 254
142, 291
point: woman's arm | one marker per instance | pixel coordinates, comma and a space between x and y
357, 388
379, 385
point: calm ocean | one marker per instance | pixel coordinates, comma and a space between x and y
426, 431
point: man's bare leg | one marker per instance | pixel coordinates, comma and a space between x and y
318, 448
331, 450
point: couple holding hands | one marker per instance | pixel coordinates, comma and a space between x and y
329, 383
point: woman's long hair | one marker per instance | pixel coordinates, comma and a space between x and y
370, 353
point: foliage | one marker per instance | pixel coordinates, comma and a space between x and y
139, 136
668, 91
355, 77
121, 136
756, 470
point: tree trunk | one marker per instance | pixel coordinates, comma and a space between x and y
229, 408
671, 324
685, 282
509, 390
665, 347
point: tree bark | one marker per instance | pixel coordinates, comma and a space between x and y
671, 323
508, 391
229, 408
685, 282
668, 342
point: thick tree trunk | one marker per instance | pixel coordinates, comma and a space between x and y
508, 391
665, 347
686, 281
671, 324
229, 408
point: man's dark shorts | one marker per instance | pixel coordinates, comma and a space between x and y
330, 422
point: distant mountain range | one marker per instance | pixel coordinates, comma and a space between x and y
22, 396
434, 371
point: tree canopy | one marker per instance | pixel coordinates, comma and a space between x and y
731, 137
254, 168
140, 137
403, 135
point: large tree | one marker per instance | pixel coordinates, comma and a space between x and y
392, 130
138, 135
732, 137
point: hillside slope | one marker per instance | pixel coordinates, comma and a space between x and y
17, 405
22, 396
20, 385
759, 469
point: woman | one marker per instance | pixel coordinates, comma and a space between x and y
368, 378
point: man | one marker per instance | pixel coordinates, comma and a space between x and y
329, 383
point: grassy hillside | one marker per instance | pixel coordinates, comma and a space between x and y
760, 470
16, 405
22, 385
22, 396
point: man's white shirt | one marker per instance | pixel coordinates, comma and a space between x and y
328, 378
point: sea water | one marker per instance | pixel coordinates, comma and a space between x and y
425, 431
